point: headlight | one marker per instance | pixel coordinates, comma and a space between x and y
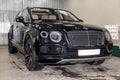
108, 36
55, 36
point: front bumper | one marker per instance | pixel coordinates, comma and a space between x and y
82, 60
62, 54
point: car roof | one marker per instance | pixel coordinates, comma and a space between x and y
45, 8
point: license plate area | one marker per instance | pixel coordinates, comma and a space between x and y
89, 52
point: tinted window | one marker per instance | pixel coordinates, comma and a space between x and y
52, 14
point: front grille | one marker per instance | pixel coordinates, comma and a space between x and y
85, 38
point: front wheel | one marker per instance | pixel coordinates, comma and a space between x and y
96, 62
31, 58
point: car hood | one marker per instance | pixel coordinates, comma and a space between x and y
60, 25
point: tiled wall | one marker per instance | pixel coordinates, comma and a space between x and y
3, 39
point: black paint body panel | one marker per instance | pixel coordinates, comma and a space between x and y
50, 52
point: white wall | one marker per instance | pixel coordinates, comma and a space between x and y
44, 3
98, 12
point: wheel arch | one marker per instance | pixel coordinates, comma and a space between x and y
35, 41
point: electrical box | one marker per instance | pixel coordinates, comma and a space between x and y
116, 51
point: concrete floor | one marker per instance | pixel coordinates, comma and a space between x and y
12, 67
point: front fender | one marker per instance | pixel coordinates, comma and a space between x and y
33, 34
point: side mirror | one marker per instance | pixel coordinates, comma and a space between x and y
20, 19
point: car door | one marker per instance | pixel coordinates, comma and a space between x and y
21, 27
16, 29
24, 26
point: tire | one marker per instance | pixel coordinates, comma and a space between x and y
31, 58
11, 48
96, 62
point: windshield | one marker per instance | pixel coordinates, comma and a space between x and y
52, 14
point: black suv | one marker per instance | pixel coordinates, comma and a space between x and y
56, 36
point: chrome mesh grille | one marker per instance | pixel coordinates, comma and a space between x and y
85, 38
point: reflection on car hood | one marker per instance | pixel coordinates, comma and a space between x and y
59, 25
